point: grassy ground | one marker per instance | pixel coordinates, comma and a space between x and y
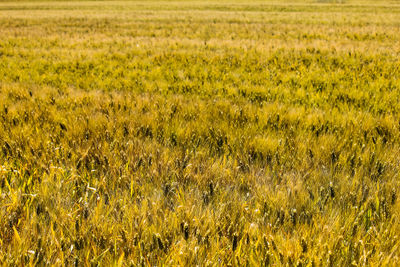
209, 133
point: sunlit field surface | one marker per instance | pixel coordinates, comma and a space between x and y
202, 133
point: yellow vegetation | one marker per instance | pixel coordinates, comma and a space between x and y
199, 133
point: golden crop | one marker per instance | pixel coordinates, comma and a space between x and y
199, 133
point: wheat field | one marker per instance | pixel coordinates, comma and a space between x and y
200, 133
